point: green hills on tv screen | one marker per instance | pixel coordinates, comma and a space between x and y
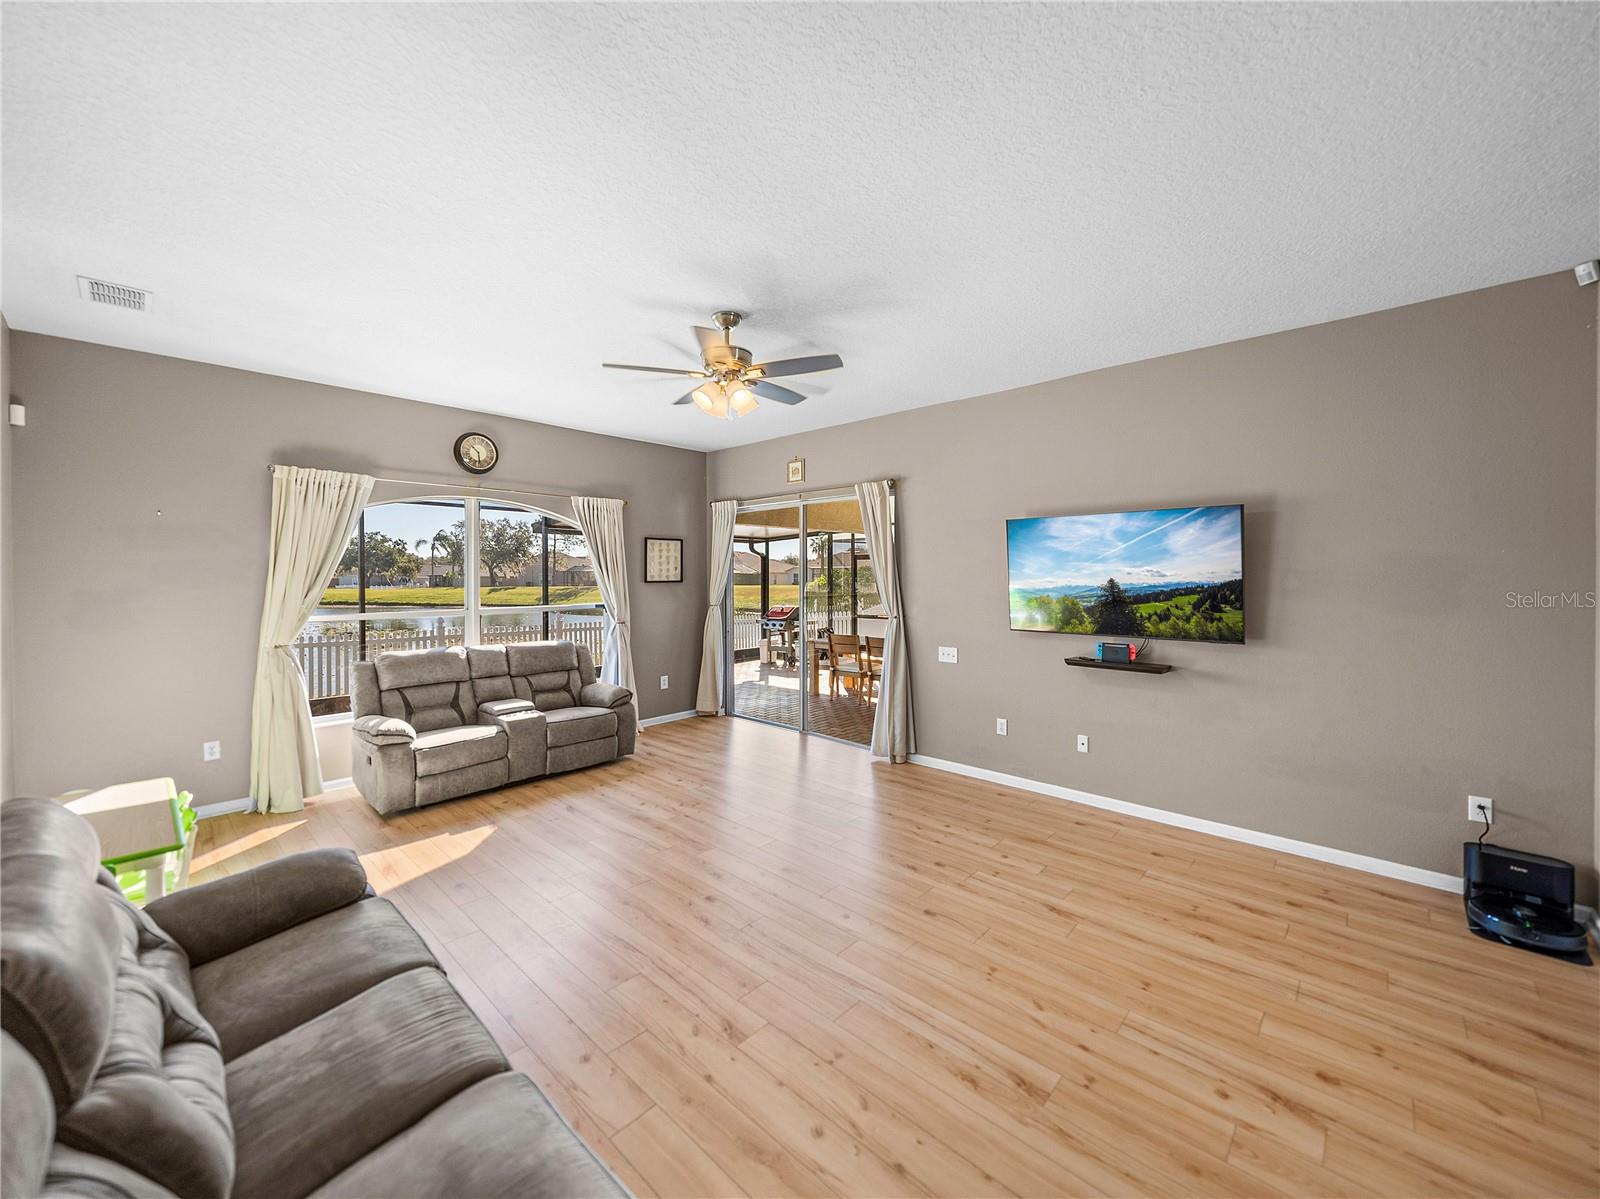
1173, 573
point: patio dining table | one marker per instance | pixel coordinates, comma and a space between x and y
817, 648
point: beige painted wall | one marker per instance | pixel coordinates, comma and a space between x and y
7, 774
1401, 473
142, 627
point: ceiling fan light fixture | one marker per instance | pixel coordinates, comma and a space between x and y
708, 396
732, 377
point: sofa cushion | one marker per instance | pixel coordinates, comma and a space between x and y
74, 1174
572, 725
499, 1137
427, 688
157, 1103
542, 657
60, 942
314, 1101
491, 675
228, 913
432, 706
487, 661
420, 667
545, 672
29, 1126
267, 988
454, 749
498, 687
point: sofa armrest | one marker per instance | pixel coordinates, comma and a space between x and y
215, 919
604, 695
384, 730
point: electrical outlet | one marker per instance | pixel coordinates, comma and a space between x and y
1000, 726
947, 653
211, 751
663, 682
1083, 743
1474, 802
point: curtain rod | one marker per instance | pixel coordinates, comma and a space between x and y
477, 487
843, 491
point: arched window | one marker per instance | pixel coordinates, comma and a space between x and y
447, 570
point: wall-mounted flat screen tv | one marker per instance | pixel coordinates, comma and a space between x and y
1175, 573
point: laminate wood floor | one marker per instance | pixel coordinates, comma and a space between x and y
747, 962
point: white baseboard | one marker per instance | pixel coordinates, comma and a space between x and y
668, 718
1302, 849
224, 807
336, 784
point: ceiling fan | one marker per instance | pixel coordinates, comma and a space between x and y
733, 379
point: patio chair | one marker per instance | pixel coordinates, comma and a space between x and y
872, 648
848, 664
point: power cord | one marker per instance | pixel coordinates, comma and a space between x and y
1488, 822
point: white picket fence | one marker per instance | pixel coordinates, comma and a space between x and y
327, 653
747, 626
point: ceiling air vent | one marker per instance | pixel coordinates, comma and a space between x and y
118, 295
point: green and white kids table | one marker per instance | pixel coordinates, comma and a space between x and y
146, 832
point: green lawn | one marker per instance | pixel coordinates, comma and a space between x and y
455, 597
747, 597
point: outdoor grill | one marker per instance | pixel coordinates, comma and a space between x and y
777, 626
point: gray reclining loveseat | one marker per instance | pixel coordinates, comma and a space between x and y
436, 724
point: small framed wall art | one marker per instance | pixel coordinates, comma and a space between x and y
797, 470
663, 559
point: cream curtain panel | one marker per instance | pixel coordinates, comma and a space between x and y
892, 734
601, 522
313, 514
712, 669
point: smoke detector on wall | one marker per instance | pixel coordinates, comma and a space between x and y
118, 295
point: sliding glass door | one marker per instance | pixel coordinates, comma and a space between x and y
804, 619
767, 617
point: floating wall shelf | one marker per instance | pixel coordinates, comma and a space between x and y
1135, 667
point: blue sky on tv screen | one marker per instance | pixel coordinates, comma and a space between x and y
1145, 550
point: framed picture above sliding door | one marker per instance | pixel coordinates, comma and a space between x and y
804, 619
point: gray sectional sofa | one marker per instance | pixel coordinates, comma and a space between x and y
281, 1032
436, 724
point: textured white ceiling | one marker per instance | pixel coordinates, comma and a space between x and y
477, 204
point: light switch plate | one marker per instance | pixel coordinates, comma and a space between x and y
663, 682
1000, 726
947, 653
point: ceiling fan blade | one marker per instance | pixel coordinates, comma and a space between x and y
771, 391
655, 370
708, 338
684, 399
798, 366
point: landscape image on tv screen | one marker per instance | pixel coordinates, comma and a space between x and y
1170, 572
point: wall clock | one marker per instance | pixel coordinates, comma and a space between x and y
477, 452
